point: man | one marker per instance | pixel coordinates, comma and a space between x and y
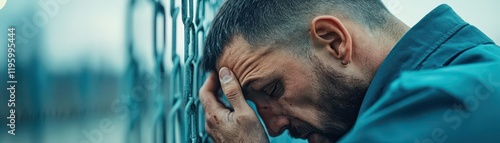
348, 71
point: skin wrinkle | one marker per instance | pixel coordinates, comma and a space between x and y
246, 75
240, 67
254, 58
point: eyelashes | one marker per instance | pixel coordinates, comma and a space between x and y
273, 89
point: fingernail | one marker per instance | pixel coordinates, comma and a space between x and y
225, 75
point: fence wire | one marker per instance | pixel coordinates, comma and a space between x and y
180, 116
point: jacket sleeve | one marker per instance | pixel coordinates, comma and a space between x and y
454, 104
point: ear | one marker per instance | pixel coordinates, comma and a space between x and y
328, 32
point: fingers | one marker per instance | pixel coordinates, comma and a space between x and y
207, 94
232, 89
223, 125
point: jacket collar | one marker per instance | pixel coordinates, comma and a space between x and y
413, 49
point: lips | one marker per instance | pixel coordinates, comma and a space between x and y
316, 138
306, 136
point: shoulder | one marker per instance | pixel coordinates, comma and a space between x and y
487, 52
451, 101
456, 80
453, 83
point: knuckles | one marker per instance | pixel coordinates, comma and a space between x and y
246, 118
213, 120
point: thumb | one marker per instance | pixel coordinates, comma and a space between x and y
232, 89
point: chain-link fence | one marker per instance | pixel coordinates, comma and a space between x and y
180, 118
143, 103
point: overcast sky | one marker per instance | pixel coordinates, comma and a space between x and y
480, 13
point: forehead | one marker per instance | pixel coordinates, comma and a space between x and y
249, 63
238, 54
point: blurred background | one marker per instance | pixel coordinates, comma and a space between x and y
126, 71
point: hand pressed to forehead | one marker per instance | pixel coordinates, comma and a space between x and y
222, 124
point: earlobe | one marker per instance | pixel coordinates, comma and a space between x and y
329, 32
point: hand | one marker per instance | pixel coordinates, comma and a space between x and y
222, 124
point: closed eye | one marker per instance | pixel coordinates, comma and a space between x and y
272, 89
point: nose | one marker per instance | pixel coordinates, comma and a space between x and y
275, 123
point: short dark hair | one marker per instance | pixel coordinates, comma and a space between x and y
263, 22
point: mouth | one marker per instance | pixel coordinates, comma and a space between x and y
315, 138
308, 133
306, 136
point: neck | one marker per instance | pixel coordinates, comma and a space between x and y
380, 44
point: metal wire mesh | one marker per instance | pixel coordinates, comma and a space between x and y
180, 118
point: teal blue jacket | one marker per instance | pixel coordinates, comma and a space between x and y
440, 83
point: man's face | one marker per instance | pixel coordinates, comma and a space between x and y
309, 98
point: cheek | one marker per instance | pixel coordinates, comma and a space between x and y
299, 94
300, 88
299, 101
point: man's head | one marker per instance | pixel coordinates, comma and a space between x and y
306, 64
